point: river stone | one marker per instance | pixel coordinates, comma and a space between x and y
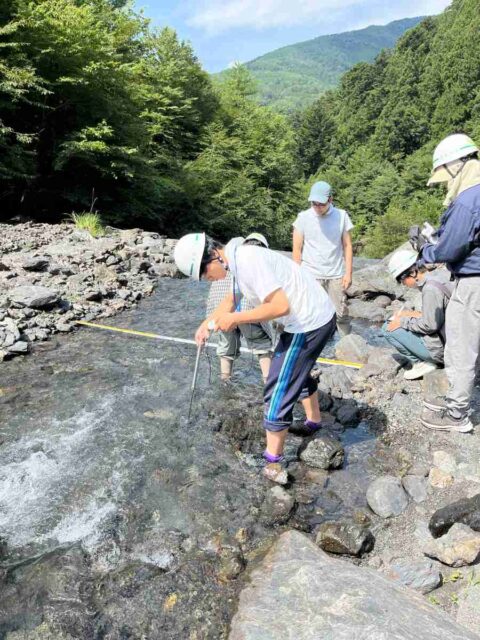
465, 511
444, 461
366, 310
39, 263
382, 301
344, 538
301, 593
386, 497
347, 414
324, 453
353, 348
457, 548
435, 384
420, 575
468, 613
19, 347
277, 506
440, 479
275, 473
33, 296
416, 487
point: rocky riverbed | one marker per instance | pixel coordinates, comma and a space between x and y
118, 519
53, 275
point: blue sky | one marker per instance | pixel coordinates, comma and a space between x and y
225, 31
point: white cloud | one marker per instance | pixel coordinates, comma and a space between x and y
215, 16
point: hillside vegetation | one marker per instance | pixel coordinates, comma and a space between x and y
293, 77
100, 112
373, 137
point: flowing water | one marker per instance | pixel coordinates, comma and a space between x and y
118, 519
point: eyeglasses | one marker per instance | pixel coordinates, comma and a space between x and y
319, 204
203, 265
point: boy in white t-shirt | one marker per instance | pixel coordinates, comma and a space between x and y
323, 246
282, 290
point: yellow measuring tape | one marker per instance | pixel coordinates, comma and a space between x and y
156, 336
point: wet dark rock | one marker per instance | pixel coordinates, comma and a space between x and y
344, 538
416, 487
277, 506
420, 575
465, 511
352, 348
457, 548
323, 452
348, 414
324, 400
275, 472
386, 497
314, 595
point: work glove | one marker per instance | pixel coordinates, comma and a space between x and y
416, 239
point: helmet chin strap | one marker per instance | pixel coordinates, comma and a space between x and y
460, 169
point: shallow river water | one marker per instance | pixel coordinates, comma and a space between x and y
118, 519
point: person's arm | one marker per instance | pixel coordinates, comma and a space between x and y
348, 255
275, 305
226, 306
455, 240
432, 318
297, 246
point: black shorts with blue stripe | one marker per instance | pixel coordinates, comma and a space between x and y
289, 379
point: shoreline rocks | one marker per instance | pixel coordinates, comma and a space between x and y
53, 275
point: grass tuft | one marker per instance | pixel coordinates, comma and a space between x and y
90, 222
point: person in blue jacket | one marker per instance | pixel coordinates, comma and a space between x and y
456, 162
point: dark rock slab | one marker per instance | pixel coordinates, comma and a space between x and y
345, 538
300, 592
465, 511
35, 297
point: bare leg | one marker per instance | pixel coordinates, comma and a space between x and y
226, 366
312, 409
275, 441
264, 361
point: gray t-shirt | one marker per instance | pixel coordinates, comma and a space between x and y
322, 253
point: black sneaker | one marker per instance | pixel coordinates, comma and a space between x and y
443, 421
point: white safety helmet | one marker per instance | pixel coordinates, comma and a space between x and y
451, 148
401, 261
259, 237
188, 254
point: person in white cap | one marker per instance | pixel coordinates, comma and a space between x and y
258, 336
456, 163
279, 289
322, 244
419, 336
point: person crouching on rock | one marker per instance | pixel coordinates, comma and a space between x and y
280, 288
419, 336
258, 336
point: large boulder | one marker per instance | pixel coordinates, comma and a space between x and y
33, 296
300, 592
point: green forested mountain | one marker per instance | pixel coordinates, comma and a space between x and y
97, 106
373, 137
293, 77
